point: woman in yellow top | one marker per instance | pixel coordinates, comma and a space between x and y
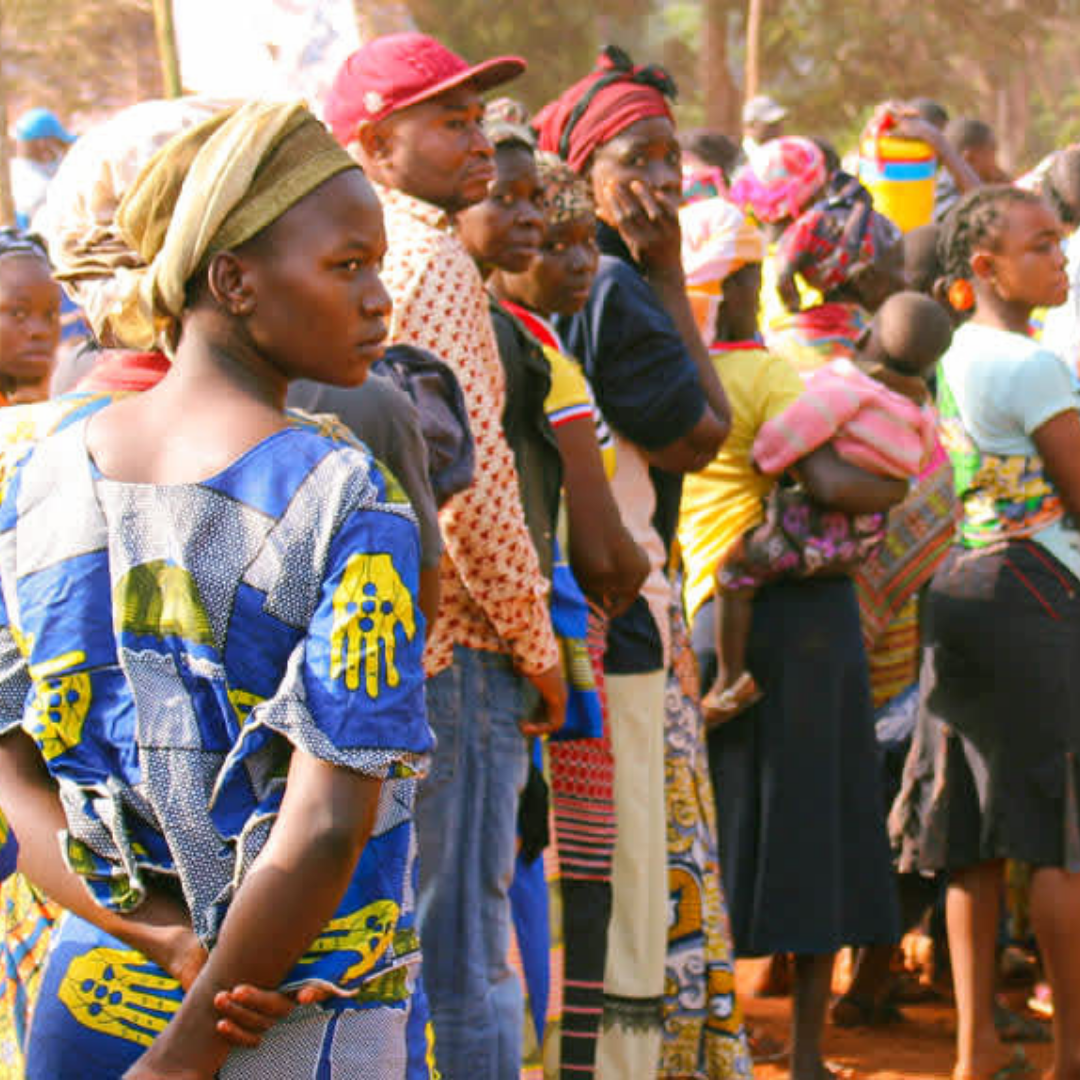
802, 836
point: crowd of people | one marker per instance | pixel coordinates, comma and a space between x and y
484, 572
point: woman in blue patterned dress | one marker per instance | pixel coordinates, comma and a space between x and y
210, 651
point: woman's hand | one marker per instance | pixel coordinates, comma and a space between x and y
551, 712
177, 951
247, 1013
648, 222
910, 125
624, 588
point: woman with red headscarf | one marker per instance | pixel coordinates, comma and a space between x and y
653, 381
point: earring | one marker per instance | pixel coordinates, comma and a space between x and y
961, 295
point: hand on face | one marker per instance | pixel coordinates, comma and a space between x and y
648, 221
637, 183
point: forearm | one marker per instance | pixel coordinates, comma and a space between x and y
838, 484
967, 179
670, 287
607, 563
428, 597
286, 899
910, 126
160, 928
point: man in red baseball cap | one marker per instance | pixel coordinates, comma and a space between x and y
410, 111
386, 80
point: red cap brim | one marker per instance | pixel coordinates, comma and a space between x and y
483, 77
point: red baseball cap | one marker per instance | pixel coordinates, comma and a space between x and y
398, 70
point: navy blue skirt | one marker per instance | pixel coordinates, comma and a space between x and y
805, 857
995, 770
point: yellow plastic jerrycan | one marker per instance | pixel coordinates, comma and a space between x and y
900, 175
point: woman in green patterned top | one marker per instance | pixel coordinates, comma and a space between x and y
1001, 696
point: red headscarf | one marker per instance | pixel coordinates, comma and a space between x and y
614, 95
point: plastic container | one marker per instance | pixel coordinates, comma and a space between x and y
900, 175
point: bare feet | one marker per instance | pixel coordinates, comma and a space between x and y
1013, 1067
773, 978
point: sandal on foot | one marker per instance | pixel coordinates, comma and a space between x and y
831, 1070
765, 1050
1013, 1027
720, 706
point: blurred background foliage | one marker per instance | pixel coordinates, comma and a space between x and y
1013, 63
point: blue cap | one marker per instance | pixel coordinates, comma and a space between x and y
41, 124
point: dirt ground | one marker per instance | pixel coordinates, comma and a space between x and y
919, 1048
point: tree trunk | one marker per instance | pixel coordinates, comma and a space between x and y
377, 17
753, 49
167, 52
7, 197
721, 94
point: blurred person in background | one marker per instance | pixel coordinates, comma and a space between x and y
41, 142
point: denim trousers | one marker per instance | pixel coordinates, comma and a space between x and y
466, 816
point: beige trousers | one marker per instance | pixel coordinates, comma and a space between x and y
637, 934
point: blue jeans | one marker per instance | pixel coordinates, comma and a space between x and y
466, 815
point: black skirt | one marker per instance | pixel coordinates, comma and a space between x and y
803, 846
993, 773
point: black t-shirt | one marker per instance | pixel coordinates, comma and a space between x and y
647, 387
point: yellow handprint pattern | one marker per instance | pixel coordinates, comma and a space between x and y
367, 932
243, 701
161, 600
118, 993
58, 711
370, 603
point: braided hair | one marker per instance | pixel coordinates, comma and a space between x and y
17, 242
976, 221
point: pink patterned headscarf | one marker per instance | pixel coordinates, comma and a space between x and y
781, 180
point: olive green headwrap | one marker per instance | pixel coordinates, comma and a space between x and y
210, 189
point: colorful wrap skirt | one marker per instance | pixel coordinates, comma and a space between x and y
102, 1004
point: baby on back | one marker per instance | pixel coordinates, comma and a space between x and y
877, 413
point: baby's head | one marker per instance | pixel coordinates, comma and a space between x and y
908, 335
922, 266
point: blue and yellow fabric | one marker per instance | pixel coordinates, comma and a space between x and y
166, 649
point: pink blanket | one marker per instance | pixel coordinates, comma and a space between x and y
870, 425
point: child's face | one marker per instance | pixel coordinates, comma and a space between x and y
983, 159
505, 230
29, 318
1028, 265
737, 319
559, 280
